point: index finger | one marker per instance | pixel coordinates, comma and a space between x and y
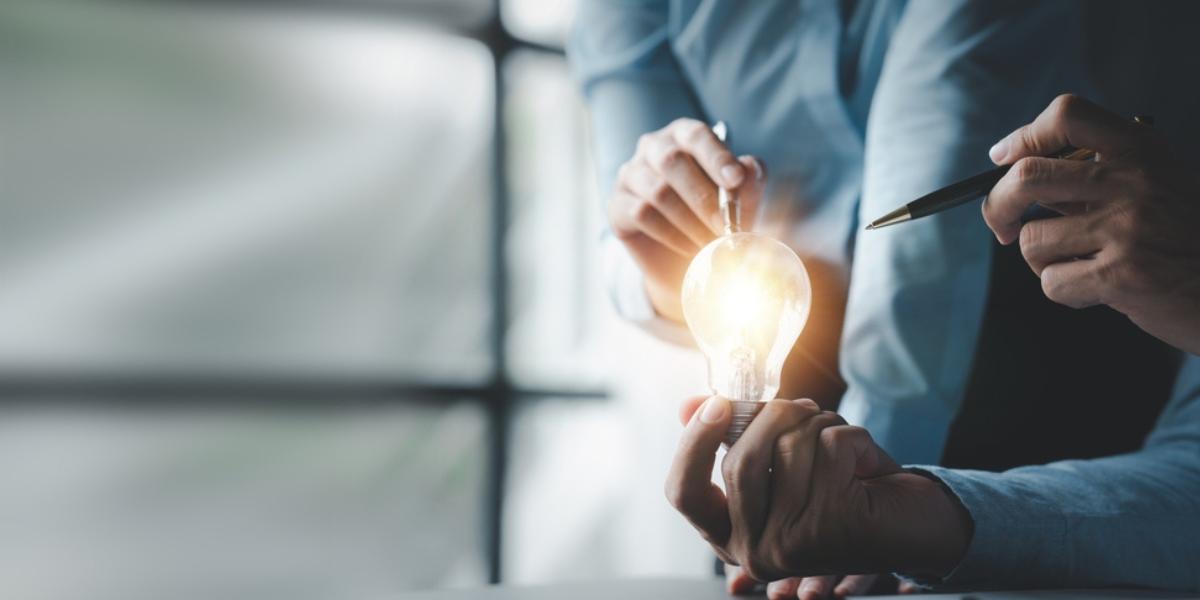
721, 166
1069, 121
689, 482
1055, 184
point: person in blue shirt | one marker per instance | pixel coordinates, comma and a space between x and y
851, 108
855, 108
839, 503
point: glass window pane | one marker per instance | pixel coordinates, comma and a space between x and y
585, 499
558, 307
543, 22
339, 502
222, 189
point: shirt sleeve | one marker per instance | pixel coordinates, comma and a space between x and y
958, 76
620, 54
1122, 521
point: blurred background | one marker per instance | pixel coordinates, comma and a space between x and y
300, 299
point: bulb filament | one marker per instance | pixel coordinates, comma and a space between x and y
743, 382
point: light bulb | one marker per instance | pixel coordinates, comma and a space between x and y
746, 298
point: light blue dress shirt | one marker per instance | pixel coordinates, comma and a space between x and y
857, 108
1131, 520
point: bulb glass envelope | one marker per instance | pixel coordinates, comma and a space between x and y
746, 298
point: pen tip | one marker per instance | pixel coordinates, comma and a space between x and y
870, 227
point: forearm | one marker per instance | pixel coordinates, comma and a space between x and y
621, 57
1123, 521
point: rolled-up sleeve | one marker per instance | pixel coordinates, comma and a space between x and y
1122, 521
958, 76
621, 57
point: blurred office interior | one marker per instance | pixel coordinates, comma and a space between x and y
301, 299
258, 333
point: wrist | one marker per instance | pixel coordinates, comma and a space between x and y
948, 524
667, 303
926, 532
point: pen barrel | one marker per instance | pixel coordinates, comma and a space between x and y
958, 193
731, 209
980, 185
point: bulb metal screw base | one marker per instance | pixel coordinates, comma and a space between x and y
744, 411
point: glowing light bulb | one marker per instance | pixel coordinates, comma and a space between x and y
746, 298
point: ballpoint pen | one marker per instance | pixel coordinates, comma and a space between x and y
971, 188
727, 201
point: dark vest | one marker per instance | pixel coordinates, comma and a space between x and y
1051, 382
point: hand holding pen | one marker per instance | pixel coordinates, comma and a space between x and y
665, 205
1128, 235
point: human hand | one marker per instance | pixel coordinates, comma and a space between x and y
807, 494
664, 206
802, 588
1128, 239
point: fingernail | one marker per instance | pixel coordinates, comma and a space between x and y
714, 410
999, 152
810, 589
760, 170
773, 587
732, 174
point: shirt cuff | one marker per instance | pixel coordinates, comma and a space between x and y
627, 289
1014, 532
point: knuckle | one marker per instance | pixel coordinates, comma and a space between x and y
670, 156
626, 235
1103, 174
758, 569
625, 172
1029, 170
835, 437
1114, 273
1026, 138
643, 213
661, 194
1052, 286
1065, 108
1129, 270
645, 142
683, 124
1030, 237
777, 557
733, 471
828, 418
693, 131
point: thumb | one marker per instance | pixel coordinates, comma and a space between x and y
689, 407
1068, 121
689, 482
